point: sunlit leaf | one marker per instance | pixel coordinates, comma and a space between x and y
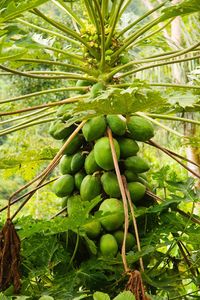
183, 8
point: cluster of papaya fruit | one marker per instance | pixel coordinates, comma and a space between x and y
87, 170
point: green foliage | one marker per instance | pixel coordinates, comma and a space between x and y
59, 260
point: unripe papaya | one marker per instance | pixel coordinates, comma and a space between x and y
108, 245
94, 128
77, 162
137, 190
72, 203
93, 229
130, 239
110, 184
90, 163
136, 164
64, 186
130, 176
59, 131
78, 178
140, 128
117, 124
63, 113
65, 164
103, 155
74, 145
81, 83
115, 219
90, 188
128, 147
96, 89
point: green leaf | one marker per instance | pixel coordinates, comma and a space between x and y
101, 296
183, 8
12, 9
45, 297
120, 101
125, 296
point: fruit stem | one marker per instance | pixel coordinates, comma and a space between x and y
123, 193
134, 221
42, 176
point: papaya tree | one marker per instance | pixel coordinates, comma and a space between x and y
113, 228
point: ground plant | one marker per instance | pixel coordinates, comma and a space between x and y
117, 236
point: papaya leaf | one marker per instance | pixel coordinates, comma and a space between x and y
127, 295
101, 296
12, 9
120, 101
46, 297
183, 8
91, 245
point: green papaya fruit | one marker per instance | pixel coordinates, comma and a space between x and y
81, 83
64, 186
90, 163
108, 245
78, 178
74, 145
117, 124
130, 239
128, 147
94, 128
59, 131
114, 214
65, 164
103, 155
72, 203
90, 188
130, 176
110, 184
97, 89
93, 229
137, 190
140, 128
63, 112
136, 164
77, 162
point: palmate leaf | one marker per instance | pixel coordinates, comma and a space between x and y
101, 296
120, 101
11, 9
9, 51
127, 295
183, 8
